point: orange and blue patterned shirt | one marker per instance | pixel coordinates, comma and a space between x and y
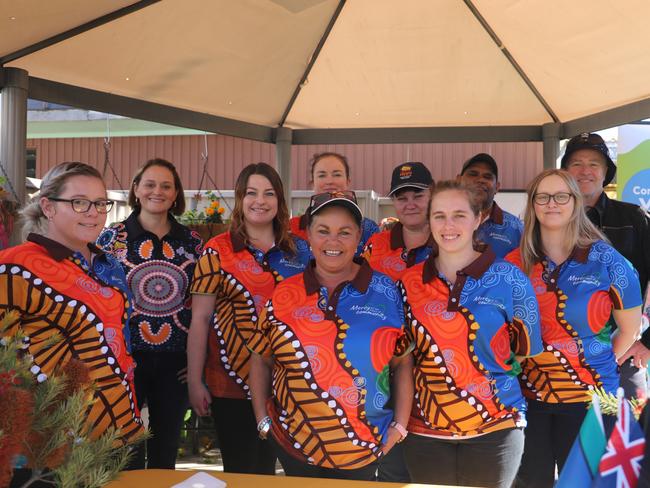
576, 300
466, 338
242, 278
501, 230
56, 292
369, 227
158, 273
387, 253
331, 371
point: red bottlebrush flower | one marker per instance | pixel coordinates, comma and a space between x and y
17, 407
77, 375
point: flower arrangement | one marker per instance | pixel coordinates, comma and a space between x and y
42, 426
212, 213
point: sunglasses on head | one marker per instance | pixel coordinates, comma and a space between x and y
322, 198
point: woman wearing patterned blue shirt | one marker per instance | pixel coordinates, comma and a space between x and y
580, 282
471, 316
158, 256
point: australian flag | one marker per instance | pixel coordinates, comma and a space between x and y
621, 464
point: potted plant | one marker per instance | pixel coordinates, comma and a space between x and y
207, 222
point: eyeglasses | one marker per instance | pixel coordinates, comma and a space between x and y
561, 198
322, 198
82, 205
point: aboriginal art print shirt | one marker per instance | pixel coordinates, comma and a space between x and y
57, 293
466, 338
576, 300
387, 253
242, 278
369, 227
501, 230
158, 273
331, 370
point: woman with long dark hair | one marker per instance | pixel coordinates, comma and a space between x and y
234, 277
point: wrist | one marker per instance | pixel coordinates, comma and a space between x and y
264, 427
400, 429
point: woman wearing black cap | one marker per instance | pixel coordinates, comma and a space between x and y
408, 242
331, 336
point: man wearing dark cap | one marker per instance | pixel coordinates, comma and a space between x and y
626, 225
500, 229
409, 241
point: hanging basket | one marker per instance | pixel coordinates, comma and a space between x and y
209, 230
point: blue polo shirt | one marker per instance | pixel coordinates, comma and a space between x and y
466, 337
501, 230
576, 300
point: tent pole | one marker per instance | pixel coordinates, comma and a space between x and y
283, 138
551, 137
13, 134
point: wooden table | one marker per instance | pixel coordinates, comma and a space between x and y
162, 478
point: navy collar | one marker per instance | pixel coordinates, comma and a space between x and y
135, 229
58, 251
361, 280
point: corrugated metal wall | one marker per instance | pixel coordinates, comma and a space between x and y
371, 164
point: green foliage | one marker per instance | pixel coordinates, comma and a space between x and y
212, 213
609, 403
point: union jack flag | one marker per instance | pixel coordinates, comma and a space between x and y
620, 465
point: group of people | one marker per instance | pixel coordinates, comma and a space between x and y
460, 347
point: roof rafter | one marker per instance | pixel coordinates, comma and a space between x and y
312, 61
511, 59
75, 31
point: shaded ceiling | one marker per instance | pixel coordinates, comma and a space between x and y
242, 67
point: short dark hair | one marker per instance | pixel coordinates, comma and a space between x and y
179, 204
318, 156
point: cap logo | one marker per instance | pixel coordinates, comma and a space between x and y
584, 136
405, 172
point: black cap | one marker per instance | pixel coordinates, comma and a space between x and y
482, 158
594, 142
410, 175
346, 199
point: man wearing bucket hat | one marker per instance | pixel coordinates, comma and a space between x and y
626, 225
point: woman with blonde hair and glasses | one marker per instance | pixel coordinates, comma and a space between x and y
64, 287
580, 281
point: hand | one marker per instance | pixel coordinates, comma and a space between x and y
182, 375
200, 399
392, 437
639, 353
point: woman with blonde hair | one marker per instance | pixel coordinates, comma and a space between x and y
580, 281
71, 298
233, 279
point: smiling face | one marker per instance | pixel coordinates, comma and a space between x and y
589, 168
411, 207
329, 175
334, 236
553, 216
260, 203
72, 229
483, 181
156, 191
452, 221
